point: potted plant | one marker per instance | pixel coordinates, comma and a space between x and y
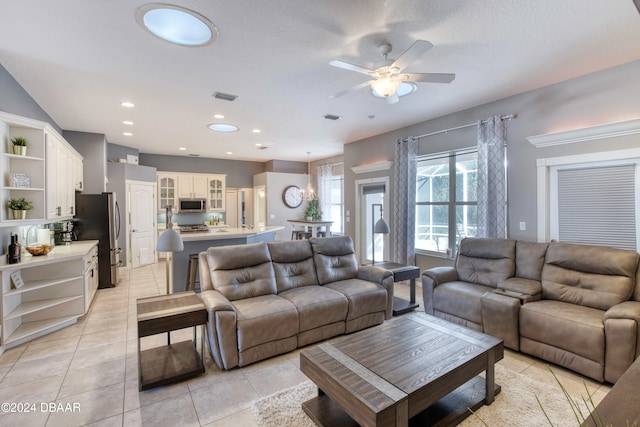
19, 145
312, 213
19, 207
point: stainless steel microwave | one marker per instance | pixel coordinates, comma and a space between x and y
192, 205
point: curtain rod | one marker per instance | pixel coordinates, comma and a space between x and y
508, 117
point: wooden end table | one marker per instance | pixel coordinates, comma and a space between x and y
401, 273
172, 362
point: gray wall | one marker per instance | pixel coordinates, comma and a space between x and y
603, 97
239, 173
93, 147
116, 152
15, 100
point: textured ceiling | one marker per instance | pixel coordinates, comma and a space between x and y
79, 59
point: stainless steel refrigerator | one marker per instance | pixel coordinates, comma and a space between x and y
98, 218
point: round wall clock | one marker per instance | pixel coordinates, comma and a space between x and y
291, 196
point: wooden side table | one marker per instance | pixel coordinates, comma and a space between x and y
401, 273
172, 362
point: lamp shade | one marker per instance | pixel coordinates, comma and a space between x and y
381, 227
170, 241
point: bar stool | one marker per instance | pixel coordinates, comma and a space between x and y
192, 273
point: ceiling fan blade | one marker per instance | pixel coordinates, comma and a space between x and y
344, 92
392, 99
350, 67
415, 51
430, 77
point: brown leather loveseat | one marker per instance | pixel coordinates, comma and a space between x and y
577, 306
266, 299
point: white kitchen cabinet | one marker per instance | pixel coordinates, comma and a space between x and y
91, 279
167, 190
61, 181
22, 176
192, 186
43, 294
216, 193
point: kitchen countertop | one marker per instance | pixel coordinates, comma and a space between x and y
77, 249
227, 233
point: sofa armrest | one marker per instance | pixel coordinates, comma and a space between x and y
622, 335
382, 277
526, 290
222, 335
433, 277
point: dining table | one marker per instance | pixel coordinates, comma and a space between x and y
314, 226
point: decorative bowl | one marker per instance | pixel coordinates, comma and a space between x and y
39, 249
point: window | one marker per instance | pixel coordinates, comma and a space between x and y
337, 203
446, 201
596, 203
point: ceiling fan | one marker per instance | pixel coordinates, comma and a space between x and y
388, 80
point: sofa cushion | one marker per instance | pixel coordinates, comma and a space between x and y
593, 276
461, 299
364, 297
486, 261
335, 259
293, 264
241, 271
264, 319
574, 328
530, 259
317, 306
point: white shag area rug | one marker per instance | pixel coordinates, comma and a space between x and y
515, 406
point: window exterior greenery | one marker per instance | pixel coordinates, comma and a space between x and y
446, 201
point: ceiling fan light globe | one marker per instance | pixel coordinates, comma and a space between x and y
386, 87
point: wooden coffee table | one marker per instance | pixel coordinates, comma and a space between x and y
412, 370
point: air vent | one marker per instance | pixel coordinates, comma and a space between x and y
193, 155
261, 147
332, 117
224, 96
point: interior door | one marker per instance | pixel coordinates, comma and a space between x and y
142, 226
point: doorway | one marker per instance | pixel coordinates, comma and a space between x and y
372, 196
141, 223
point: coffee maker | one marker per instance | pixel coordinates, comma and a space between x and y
63, 233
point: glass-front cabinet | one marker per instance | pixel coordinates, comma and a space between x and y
167, 191
216, 193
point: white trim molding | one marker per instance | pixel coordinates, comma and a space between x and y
628, 127
373, 167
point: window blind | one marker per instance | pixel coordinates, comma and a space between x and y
597, 206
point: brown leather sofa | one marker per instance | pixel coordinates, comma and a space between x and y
577, 306
266, 299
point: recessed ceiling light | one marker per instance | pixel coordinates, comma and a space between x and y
404, 89
223, 127
256, 131
182, 149
127, 133
177, 25
218, 116
127, 104
127, 122
229, 152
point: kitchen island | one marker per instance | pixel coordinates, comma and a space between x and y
198, 241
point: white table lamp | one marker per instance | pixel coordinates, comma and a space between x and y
169, 241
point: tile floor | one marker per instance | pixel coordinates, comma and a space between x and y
92, 366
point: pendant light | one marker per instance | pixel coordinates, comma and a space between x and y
308, 192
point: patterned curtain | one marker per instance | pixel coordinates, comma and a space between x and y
492, 178
404, 202
324, 191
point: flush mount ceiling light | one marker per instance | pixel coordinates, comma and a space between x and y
127, 104
223, 127
177, 25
